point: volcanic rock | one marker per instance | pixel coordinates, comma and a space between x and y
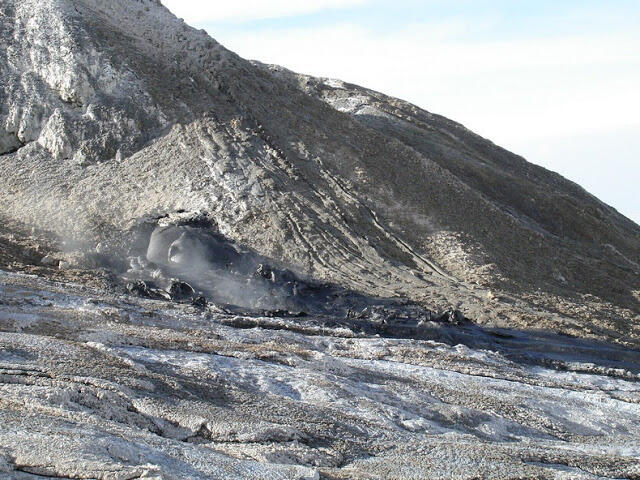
326, 224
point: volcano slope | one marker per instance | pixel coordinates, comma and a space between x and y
215, 268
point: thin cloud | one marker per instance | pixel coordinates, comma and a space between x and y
508, 91
203, 11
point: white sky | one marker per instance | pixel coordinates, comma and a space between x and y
565, 98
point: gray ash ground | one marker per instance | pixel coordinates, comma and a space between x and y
128, 387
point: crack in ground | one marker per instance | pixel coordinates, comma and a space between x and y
29, 471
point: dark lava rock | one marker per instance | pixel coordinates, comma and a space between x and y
199, 301
141, 289
284, 314
181, 291
455, 317
266, 272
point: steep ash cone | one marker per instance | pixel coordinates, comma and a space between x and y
114, 113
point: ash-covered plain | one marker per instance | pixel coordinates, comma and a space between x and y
216, 268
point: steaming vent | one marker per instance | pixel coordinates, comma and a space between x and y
192, 262
188, 261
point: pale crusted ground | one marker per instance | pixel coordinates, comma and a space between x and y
128, 388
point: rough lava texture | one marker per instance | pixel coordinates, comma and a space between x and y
367, 213
94, 385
